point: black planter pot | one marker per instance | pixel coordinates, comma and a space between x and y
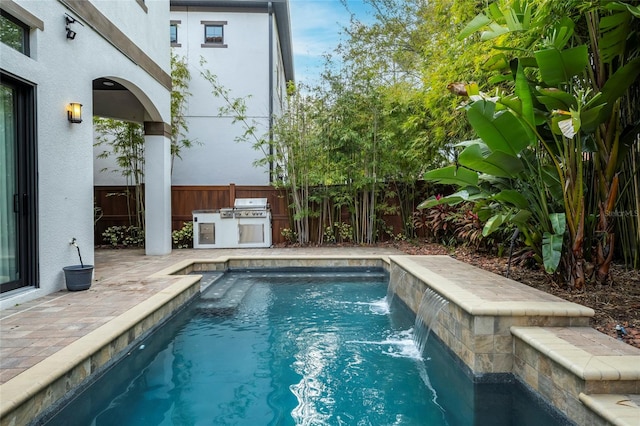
78, 277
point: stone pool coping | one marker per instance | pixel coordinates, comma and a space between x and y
492, 296
620, 410
483, 293
49, 380
586, 352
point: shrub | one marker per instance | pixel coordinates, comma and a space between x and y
127, 236
289, 236
183, 238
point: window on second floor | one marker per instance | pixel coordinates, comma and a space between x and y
14, 33
214, 33
174, 33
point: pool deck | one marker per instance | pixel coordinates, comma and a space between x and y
44, 335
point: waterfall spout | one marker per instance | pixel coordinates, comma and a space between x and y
395, 282
430, 305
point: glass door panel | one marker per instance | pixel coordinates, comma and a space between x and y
9, 261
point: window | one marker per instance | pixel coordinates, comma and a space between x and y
213, 33
174, 33
14, 33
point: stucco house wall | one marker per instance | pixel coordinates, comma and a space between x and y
246, 69
62, 71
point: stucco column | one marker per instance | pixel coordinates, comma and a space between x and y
157, 188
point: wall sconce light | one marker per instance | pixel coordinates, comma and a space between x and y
74, 113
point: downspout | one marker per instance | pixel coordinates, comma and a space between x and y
270, 92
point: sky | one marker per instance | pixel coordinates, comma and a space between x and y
316, 27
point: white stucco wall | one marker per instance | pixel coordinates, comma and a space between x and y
63, 71
243, 69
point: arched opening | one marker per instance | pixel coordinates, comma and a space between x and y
121, 154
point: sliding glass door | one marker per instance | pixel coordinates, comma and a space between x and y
9, 270
18, 250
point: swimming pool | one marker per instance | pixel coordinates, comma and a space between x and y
319, 348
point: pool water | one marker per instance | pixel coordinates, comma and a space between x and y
296, 349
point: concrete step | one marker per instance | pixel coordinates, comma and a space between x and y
224, 298
581, 371
208, 279
619, 410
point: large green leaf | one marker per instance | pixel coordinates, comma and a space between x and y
521, 217
513, 197
614, 30
551, 251
501, 131
467, 194
523, 91
562, 32
616, 85
453, 175
558, 222
558, 66
493, 224
476, 23
554, 98
618, 6
497, 163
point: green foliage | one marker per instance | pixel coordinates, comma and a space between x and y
454, 224
180, 78
183, 237
11, 34
124, 141
289, 236
328, 236
124, 236
558, 96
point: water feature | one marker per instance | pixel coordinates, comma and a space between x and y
430, 306
397, 281
298, 349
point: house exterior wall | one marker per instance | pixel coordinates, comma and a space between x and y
62, 71
243, 67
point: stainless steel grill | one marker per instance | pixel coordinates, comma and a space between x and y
247, 224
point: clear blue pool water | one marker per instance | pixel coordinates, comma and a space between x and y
296, 349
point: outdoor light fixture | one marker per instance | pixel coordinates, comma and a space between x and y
74, 113
70, 20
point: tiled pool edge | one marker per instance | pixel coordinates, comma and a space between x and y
486, 336
27, 396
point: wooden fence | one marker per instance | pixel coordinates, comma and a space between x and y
111, 203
